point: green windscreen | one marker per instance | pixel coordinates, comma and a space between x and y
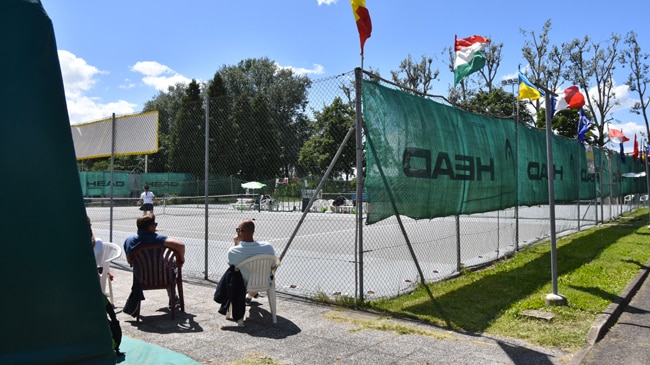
432, 160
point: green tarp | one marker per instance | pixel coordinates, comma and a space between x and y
432, 160
51, 304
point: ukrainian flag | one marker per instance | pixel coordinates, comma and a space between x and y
527, 90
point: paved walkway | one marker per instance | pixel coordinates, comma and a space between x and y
309, 333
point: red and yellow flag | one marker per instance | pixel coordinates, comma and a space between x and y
362, 17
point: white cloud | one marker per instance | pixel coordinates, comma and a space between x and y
128, 84
623, 97
86, 109
327, 2
151, 68
158, 75
79, 78
316, 70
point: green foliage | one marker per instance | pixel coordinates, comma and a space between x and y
565, 122
338, 299
497, 103
120, 163
256, 109
187, 132
329, 129
260, 114
223, 131
255, 359
167, 104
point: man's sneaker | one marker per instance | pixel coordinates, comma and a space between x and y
249, 298
177, 301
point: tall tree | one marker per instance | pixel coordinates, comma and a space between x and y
285, 96
223, 130
492, 63
546, 61
287, 102
258, 153
593, 63
415, 77
638, 78
187, 144
330, 127
167, 104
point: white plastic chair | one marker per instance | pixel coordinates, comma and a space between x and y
317, 206
111, 252
261, 277
332, 207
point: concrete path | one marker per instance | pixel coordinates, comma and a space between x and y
308, 333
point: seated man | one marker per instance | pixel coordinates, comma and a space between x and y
147, 236
245, 247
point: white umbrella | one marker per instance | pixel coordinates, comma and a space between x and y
253, 185
634, 174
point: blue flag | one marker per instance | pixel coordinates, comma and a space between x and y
622, 154
553, 104
583, 126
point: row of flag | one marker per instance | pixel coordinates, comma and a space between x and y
617, 136
470, 57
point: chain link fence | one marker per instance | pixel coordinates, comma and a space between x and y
285, 138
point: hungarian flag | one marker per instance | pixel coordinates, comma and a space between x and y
617, 136
362, 17
570, 99
470, 56
636, 149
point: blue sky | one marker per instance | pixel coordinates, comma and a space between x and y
116, 55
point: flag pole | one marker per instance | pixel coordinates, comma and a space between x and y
647, 176
554, 298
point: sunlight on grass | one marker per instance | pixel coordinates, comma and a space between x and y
385, 324
594, 267
255, 360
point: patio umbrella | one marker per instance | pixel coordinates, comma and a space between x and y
634, 174
253, 185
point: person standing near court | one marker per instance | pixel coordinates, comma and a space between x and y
147, 199
245, 247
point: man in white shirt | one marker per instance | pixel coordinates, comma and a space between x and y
245, 247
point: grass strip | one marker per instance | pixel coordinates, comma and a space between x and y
594, 267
